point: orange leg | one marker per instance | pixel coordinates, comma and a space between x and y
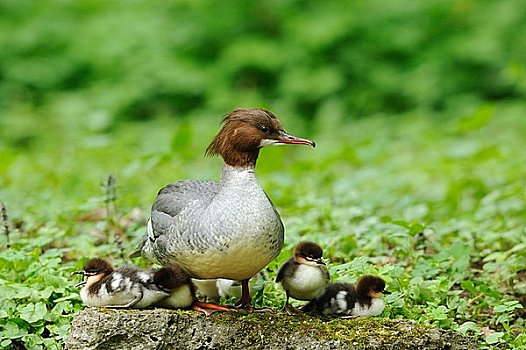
209, 309
245, 303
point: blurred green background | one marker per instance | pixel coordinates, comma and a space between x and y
115, 86
417, 107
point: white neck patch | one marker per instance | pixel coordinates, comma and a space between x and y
269, 142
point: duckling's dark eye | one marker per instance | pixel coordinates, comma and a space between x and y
263, 128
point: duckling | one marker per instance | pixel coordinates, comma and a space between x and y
221, 288
207, 289
227, 229
230, 288
126, 287
344, 299
304, 276
181, 291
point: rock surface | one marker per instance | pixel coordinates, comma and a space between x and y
172, 329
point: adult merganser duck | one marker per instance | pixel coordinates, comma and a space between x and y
228, 229
344, 299
304, 276
126, 287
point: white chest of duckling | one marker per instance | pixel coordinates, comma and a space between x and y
307, 282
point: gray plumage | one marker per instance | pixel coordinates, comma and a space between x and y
228, 229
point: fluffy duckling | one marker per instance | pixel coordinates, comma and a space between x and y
181, 291
344, 299
207, 289
126, 287
304, 276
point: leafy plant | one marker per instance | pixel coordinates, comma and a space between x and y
417, 108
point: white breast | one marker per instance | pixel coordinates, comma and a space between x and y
104, 298
307, 283
150, 297
181, 297
376, 308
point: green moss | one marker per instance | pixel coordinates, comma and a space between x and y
356, 331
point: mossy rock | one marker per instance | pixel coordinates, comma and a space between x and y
172, 329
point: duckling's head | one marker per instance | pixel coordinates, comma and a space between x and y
171, 277
371, 287
308, 253
245, 131
94, 270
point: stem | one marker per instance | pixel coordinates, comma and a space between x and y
5, 221
110, 199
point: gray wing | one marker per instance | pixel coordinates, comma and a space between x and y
170, 202
174, 198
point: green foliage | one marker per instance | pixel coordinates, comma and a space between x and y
37, 296
145, 59
427, 191
434, 207
37, 300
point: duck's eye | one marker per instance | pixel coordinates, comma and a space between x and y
263, 128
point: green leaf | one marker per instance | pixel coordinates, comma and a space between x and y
11, 330
440, 313
494, 337
508, 306
416, 229
61, 330
401, 223
469, 326
468, 285
15, 291
501, 308
478, 119
33, 312
71, 296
